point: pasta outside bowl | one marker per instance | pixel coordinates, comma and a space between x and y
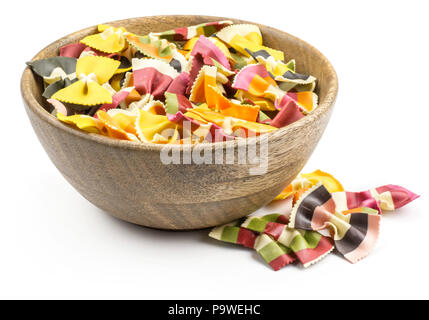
131, 181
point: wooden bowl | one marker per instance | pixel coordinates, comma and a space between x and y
128, 179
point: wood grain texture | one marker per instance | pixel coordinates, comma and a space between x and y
128, 180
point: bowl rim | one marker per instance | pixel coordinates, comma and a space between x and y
324, 107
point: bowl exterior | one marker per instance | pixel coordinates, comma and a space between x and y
131, 182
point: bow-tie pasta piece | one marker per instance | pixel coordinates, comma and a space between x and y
83, 122
222, 47
354, 234
283, 72
152, 76
304, 181
308, 246
158, 49
109, 40
197, 70
275, 254
57, 73
155, 128
201, 91
244, 37
113, 129
388, 198
208, 50
92, 72
186, 33
126, 120
229, 108
393, 197
151, 47
256, 81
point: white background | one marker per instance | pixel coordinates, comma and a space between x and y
55, 244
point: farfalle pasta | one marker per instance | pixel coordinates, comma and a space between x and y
389, 198
186, 33
257, 81
274, 253
354, 234
305, 181
92, 72
319, 217
57, 73
283, 72
309, 247
108, 40
246, 37
277, 244
217, 78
